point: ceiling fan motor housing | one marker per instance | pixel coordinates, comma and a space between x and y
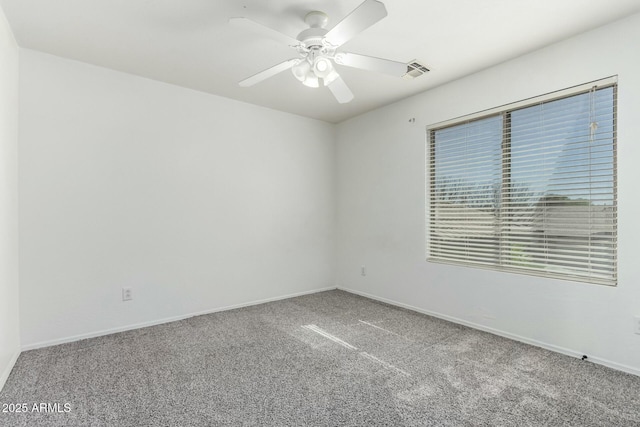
318, 50
313, 35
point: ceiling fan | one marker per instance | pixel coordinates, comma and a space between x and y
318, 50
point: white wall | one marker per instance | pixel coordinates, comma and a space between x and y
9, 320
198, 202
381, 207
194, 201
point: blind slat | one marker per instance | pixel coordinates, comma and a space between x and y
530, 190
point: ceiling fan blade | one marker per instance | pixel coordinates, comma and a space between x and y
257, 28
368, 13
340, 90
385, 66
269, 72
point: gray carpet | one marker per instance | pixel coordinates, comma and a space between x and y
328, 359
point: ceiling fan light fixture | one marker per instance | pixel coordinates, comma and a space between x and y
317, 49
322, 67
301, 70
311, 80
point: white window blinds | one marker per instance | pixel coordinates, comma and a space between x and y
530, 189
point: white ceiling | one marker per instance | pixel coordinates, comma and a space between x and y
190, 44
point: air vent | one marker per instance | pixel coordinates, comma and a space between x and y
415, 69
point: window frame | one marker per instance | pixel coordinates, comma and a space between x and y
506, 111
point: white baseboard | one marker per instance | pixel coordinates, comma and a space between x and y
551, 347
73, 338
8, 369
515, 337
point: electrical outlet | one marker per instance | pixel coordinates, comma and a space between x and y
127, 294
363, 271
636, 324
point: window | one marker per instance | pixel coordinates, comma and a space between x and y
529, 188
